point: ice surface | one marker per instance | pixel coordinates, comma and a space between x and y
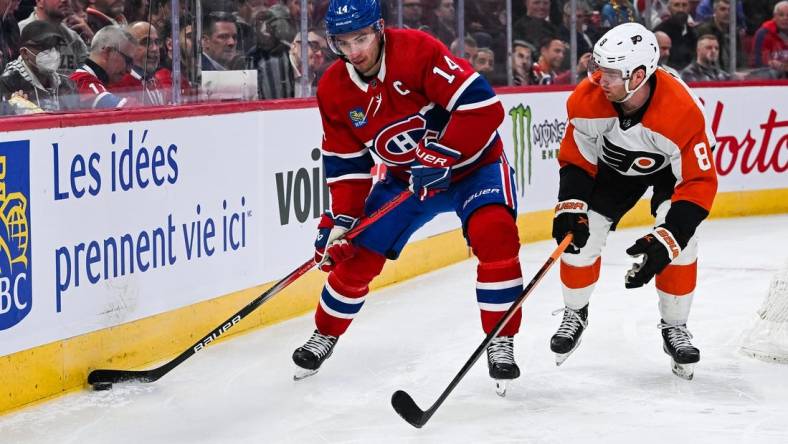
617, 387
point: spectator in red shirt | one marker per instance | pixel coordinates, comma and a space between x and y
109, 60
771, 39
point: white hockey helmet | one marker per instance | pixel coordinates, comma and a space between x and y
625, 48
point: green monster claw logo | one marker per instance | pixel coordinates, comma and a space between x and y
521, 133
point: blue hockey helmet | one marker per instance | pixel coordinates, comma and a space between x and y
344, 16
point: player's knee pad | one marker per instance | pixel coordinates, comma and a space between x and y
352, 277
492, 234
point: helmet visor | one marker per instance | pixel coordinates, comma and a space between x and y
601, 75
354, 42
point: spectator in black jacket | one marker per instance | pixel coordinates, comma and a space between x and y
33, 76
683, 36
706, 67
534, 27
719, 26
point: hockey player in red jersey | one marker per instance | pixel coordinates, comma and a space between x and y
633, 126
433, 121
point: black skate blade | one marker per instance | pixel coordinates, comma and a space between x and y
683, 371
406, 407
303, 373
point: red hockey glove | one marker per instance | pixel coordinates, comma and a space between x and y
329, 248
430, 173
658, 249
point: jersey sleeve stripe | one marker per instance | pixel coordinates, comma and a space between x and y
358, 176
345, 155
342, 167
482, 104
108, 100
470, 160
457, 94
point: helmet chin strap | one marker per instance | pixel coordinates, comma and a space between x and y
631, 93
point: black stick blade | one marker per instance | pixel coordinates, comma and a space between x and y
406, 407
116, 376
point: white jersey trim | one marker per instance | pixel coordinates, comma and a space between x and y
349, 177
482, 104
460, 90
346, 155
344, 299
502, 285
495, 307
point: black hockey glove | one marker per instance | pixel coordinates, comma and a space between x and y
571, 216
658, 249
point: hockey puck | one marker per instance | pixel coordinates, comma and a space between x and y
101, 386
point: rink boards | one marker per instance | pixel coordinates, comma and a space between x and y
128, 235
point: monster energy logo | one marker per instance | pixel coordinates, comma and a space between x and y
521, 133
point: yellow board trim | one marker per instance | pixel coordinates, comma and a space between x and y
50, 370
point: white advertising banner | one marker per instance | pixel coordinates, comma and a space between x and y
123, 221
750, 125
107, 224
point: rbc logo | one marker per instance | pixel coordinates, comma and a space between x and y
15, 252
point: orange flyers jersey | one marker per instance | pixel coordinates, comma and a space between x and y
669, 131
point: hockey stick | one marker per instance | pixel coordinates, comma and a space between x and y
102, 379
404, 404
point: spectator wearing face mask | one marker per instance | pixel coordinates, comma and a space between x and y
34, 74
74, 52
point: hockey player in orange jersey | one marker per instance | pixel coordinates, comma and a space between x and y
633, 126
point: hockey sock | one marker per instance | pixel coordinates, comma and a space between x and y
499, 280
578, 282
345, 291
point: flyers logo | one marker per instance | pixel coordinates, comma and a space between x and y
631, 162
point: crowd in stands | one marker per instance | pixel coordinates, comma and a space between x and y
62, 55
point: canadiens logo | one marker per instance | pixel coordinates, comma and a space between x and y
631, 162
395, 143
358, 117
15, 252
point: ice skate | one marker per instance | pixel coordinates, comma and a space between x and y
310, 356
676, 343
500, 362
566, 340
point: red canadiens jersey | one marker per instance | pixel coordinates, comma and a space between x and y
92, 92
422, 90
670, 131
